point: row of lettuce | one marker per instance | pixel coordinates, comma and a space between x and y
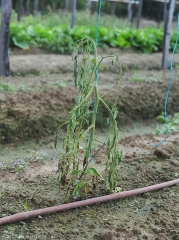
61, 39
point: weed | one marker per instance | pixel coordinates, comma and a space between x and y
136, 77
6, 87
44, 73
61, 84
156, 79
19, 164
25, 205
36, 156
139, 78
117, 189
9, 232
81, 127
173, 124
81, 18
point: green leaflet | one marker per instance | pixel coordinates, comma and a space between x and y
22, 44
93, 172
78, 187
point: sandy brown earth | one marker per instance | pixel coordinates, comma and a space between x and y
42, 103
44, 93
149, 216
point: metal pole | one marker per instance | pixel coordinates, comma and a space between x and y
89, 4
113, 6
36, 4
164, 11
129, 10
73, 13
27, 7
167, 33
139, 13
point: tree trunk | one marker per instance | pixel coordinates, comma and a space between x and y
113, 8
27, 8
164, 12
129, 11
42, 6
89, 4
67, 5
54, 6
139, 13
19, 14
73, 10
6, 6
167, 33
93, 7
36, 5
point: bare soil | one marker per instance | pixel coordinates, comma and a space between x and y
47, 94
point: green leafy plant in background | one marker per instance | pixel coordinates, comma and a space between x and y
81, 127
173, 124
46, 32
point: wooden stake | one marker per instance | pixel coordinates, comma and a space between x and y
6, 6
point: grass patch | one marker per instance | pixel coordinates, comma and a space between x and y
6, 87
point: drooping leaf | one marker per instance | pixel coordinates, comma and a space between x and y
93, 172
75, 172
23, 45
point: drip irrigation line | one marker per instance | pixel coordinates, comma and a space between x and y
116, 196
